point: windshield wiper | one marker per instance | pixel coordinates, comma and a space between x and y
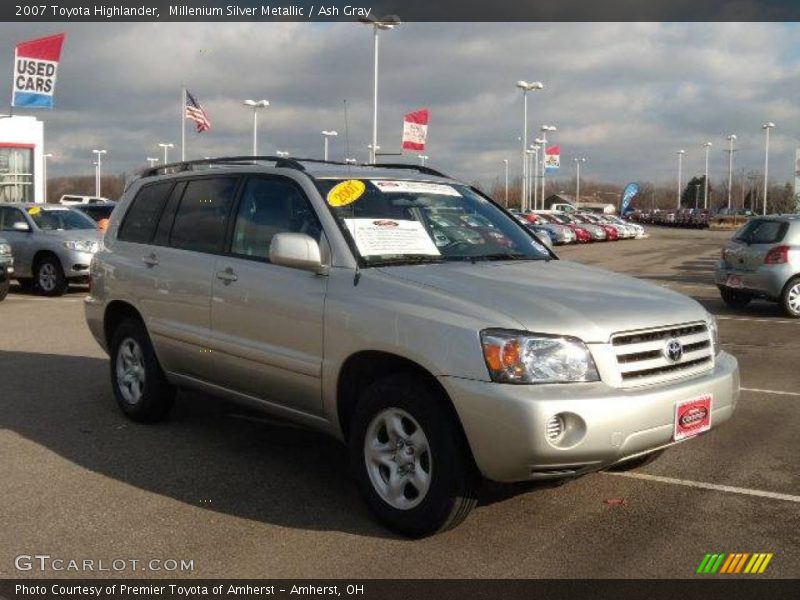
505, 256
407, 259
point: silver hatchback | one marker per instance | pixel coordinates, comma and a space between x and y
762, 261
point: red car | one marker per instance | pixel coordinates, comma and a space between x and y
581, 235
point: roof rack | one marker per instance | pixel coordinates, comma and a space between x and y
418, 168
189, 165
280, 161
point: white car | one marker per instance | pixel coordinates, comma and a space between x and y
73, 199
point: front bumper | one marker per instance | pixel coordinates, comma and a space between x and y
505, 424
766, 281
76, 264
6, 267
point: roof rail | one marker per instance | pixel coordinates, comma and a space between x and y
189, 165
419, 168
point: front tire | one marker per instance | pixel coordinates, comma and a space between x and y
790, 299
49, 277
140, 386
410, 458
735, 299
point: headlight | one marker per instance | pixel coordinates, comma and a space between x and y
513, 357
5, 249
713, 332
82, 246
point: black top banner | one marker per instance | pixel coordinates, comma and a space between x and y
406, 10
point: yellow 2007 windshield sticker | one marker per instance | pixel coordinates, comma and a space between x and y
346, 192
34, 210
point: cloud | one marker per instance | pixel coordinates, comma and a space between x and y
625, 95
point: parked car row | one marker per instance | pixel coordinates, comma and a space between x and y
579, 227
693, 218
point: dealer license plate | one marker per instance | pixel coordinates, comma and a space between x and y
692, 417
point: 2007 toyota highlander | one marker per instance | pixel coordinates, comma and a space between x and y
365, 302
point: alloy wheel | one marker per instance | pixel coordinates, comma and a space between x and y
793, 299
398, 458
130, 370
47, 277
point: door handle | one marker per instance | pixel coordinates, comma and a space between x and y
150, 260
227, 276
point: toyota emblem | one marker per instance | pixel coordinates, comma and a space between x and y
673, 350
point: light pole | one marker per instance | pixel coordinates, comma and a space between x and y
766, 127
373, 151
384, 23
529, 154
422, 159
152, 161
255, 105
578, 162
680, 154
707, 146
533, 166
526, 87
731, 139
539, 143
98, 170
44, 173
166, 148
281, 153
505, 165
325, 136
545, 129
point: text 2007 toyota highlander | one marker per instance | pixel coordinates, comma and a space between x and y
404, 313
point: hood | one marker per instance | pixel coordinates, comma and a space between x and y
557, 297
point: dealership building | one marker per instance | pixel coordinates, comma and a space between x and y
21, 159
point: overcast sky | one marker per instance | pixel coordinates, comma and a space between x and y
626, 96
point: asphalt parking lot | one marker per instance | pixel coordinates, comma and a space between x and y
247, 497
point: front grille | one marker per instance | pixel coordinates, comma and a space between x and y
642, 356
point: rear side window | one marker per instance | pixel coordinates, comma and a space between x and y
9, 216
140, 221
203, 214
760, 231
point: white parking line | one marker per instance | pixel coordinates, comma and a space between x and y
708, 486
791, 321
778, 392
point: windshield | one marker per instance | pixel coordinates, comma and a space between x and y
402, 222
54, 219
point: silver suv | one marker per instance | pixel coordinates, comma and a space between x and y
368, 303
762, 261
52, 245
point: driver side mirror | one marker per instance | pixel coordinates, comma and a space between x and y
21, 226
297, 251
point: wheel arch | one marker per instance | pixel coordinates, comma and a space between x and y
116, 312
363, 368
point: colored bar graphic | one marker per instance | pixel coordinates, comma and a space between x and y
734, 563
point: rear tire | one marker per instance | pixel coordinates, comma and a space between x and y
140, 386
790, 298
410, 458
735, 299
50, 279
4, 285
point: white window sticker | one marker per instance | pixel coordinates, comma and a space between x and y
380, 237
414, 187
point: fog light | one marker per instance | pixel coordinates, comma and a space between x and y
555, 428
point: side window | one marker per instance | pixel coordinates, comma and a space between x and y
9, 216
140, 220
203, 214
267, 207
168, 215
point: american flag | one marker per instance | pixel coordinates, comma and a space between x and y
195, 112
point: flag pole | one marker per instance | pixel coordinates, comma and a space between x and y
183, 123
